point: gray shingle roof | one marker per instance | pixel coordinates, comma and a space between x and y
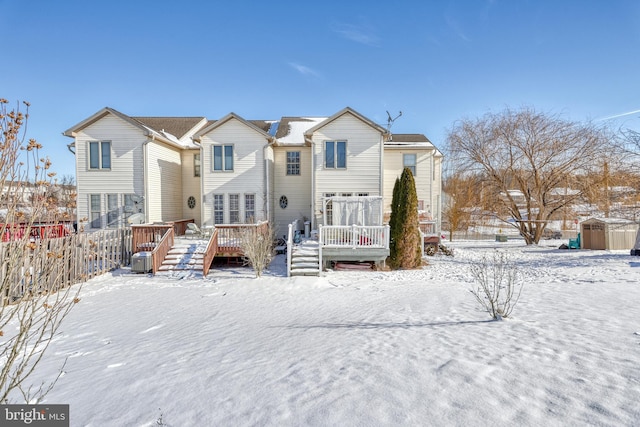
408, 137
176, 126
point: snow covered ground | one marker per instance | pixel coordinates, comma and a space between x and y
402, 348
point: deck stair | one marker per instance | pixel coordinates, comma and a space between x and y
305, 259
185, 255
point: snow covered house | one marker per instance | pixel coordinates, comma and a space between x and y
127, 165
238, 171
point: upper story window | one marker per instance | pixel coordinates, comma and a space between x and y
100, 155
196, 165
409, 161
335, 154
223, 158
293, 163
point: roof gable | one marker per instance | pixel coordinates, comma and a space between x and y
260, 126
165, 129
98, 116
346, 110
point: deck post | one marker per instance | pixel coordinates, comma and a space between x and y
320, 242
289, 249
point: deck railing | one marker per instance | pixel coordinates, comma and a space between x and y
230, 236
145, 237
210, 252
162, 248
428, 227
354, 236
180, 226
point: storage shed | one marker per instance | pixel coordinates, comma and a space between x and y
608, 233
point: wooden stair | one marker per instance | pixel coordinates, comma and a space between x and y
185, 255
305, 259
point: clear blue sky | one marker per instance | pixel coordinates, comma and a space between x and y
436, 61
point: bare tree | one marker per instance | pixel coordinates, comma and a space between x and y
462, 198
629, 142
258, 246
32, 307
67, 196
528, 158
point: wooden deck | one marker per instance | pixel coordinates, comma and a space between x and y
224, 241
354, 243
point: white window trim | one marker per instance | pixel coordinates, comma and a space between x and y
335, 154
213, 158
91, 211
238, 210
100, 167
113, 210
245, 206
414, 166
199, 165
214, 208
286, 159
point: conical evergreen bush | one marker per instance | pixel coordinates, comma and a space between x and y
405, 245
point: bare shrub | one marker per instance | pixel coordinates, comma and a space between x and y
257, 246
498, 285
33, 303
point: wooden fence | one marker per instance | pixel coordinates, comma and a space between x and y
49, 265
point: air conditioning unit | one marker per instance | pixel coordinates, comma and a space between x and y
141, 262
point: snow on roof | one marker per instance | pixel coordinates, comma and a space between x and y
417, 139
612, 220
291, 129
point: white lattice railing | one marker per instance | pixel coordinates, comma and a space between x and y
428, 227
354, 236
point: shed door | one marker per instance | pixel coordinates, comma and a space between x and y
594, 237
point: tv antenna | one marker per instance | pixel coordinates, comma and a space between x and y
391, 120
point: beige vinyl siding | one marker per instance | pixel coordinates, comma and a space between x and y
126, 173
248, 175
297, 188
393, 165
362, 174
269, 184
191, 187
164, 181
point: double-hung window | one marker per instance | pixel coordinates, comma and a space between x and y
96, 211
218, 208
293, 163
100, 155
249, 208
234, 208
113, 210
222, 158
196, 165
409, 161
335, 154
